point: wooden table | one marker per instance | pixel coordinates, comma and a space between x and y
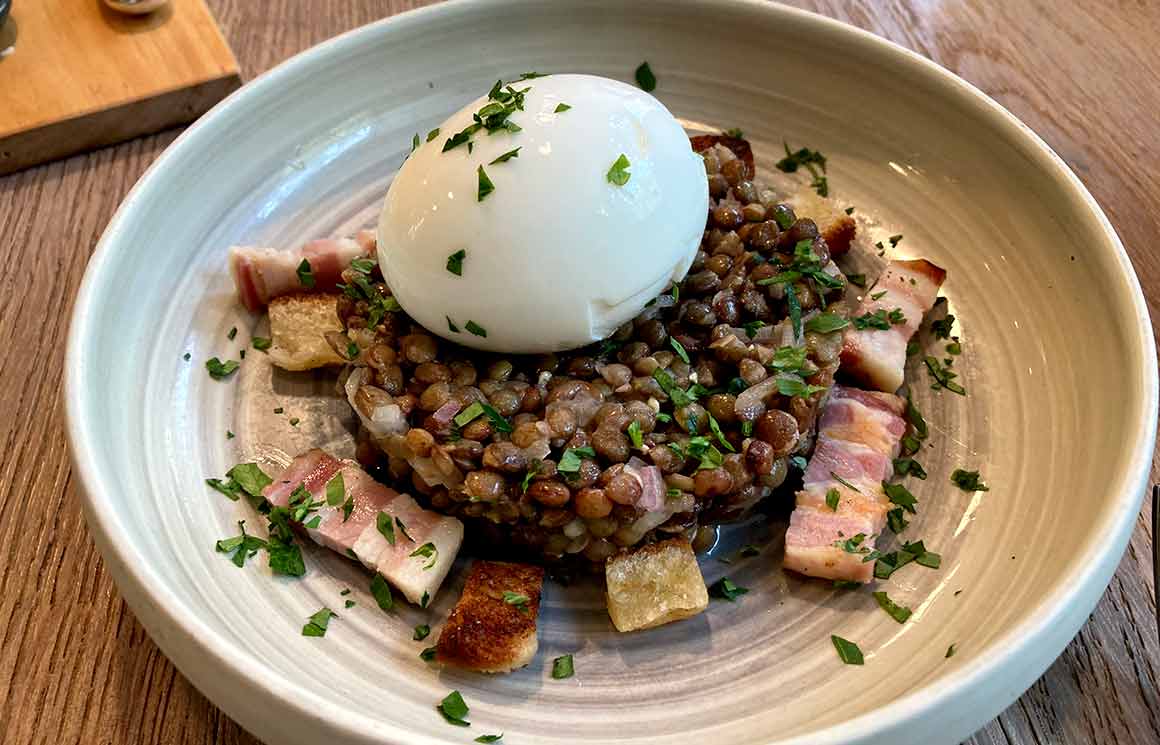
75, 666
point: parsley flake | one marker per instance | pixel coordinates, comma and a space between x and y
305, 274
570, 460
243, 546
517, 599
848, 651
832, 499
422, 631
261, 343
476, 329
489, 738
943, 377
317, 624
506, 157
645, 78
735, 133
900, 495
898, 612
455, 262
219, 370
386, 527
725, 588
427, 551
561, 108
825, 323
618, 174
454, 709
381, 592
451, 325
485, 185
562, 667
428, 654
968, 480
634, 434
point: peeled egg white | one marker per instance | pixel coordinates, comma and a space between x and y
556, 256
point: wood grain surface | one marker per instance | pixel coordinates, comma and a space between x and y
103, 77
75, 667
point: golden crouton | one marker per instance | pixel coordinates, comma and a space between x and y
654, 585
834, 225
298, 326
492, 629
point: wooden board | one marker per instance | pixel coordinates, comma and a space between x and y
80, 76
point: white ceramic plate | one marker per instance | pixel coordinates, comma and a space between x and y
1060, 416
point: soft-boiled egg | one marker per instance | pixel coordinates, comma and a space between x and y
544, 215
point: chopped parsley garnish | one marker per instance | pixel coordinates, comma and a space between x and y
968, 480
278, 410
294, 421
386, 527
853, 544
414, 143
335, 490
749, 550
725, 588
954, 348
898, 612
645, 78
812, 161
895, 240
362, 266
186, 356
832, 499
485, 185
618, 174
381, 592
715, 428
849, 210
380, 304
476, 329
795, 311
317, 624
634, 434
352, 350
677, 395
229, 435
403, 529
916, 420
734, 132
465, 417
752, 327
941, 328
517, 599
878, 295
347, 508
879, 319
793, 385
454, 709
422, 631
243, 546
805, 264
789, 359
313, 522
232, 333
533, 469
428, 654
455, 262
219, 370
916, 552
261, 343
345, 591
489, 738
561, 108
896, 520
900, 495
305, 274
847, 584
825, 323
848, 651
349, 604
562, 667
679, 348
506, 157
858, 280
425, 599
477, 408
950, 652
451, 325
458, 139
943, 377
432, 134
909, 467
228, 487
427, 551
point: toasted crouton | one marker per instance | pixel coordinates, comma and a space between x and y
492, 629
654, 585
298, 325
834, 225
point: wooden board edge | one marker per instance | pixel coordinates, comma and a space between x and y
110, 126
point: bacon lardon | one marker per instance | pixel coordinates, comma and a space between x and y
877, 357
262, 274
358, 532
858, 437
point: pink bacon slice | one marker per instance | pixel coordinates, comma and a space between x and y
877, 357
357, 534
859, 434
262, 274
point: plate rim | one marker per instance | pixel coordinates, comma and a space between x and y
153, 602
